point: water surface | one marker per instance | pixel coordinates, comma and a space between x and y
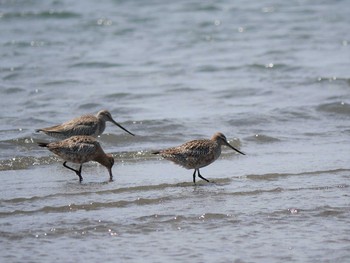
273, 77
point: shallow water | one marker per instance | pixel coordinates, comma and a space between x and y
273, 77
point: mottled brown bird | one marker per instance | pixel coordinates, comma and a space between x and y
80, 149
197, 153
90, 125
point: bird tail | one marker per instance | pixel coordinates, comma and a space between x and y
43, 144
38, 130
156, 152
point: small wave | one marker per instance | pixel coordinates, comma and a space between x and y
342, 108
20, 162
334, 79
255, 192
172, 218
251, 120
200, 6
182, 90
272, 66
275, 176
118, 95
327, 211
11, 76
95, 65
321, 211
89, 206
243, 92
211, 68
42, 14
89, 106
61, 82
12, 90
287, 114
261, 138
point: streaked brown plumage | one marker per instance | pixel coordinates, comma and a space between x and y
197, 153
80, 149
90, 125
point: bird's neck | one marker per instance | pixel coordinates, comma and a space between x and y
103, 160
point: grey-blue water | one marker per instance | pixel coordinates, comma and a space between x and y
273, 76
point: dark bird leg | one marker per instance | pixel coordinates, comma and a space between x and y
194, 176
199, 175
78, 172
110, 176
80, 177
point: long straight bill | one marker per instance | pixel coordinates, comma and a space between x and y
121, 127
233, 148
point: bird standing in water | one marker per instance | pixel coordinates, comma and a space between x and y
197, 153
80, 149
90, 125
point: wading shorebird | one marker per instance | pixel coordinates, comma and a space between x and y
197, 153
90, 125
80, 149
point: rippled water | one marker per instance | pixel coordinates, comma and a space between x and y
272, 76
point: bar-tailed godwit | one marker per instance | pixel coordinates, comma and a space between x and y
197, 153
90, 125
80, 149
